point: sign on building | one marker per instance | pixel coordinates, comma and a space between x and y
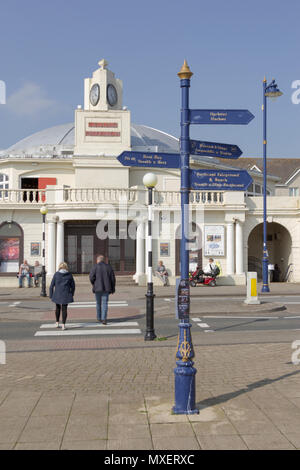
214, 240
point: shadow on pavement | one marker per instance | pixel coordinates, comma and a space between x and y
228, 396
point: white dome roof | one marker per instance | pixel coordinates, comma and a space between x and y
58, 138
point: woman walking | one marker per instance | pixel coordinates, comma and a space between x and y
62, 290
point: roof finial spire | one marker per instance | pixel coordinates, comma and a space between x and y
103, 63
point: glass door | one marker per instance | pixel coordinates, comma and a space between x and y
129, 255
87, 253
114, 254
72, 253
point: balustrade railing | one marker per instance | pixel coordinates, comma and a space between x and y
22, 196
103, 195
99, 195
196, 197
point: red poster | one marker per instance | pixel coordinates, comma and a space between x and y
9, 249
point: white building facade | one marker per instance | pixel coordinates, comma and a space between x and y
97, 206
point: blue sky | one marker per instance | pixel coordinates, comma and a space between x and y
48, 48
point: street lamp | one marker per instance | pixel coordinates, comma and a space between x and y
270, 91
150, 181
44, 212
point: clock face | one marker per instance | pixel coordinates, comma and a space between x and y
95, 94
112, 96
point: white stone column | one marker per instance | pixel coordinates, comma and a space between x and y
230, 248
60, 243
140, 250
239, 248
50, 269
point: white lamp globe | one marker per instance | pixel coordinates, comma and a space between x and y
44, 210
150, 180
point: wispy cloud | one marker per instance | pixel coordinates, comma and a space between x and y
30, 100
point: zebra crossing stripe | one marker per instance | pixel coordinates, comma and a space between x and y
90, 325
203, 325
75, 332
93, 304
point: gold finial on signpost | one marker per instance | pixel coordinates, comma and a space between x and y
185, 72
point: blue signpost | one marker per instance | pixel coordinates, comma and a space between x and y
220, 180
185, 372
213, 149
229, 180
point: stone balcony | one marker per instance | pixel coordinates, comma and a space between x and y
89, 197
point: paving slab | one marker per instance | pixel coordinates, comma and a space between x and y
171, 430
130, 444
267, 441
85, 428
84, 445
43, 429
19, 404
127, 414
214, 428
38, 446
11, 428
90, 404
175, 443
54, 405
222, 442
128, 431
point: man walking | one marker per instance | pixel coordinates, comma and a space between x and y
103, 280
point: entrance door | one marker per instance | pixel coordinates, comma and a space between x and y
71, 250
121, 255
82, 247
87, 253
114, 254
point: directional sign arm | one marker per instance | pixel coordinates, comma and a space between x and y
220, 180
220, 116
150, 159
214, 149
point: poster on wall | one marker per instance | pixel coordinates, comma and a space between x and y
165, 249
214, 240
9, 249
9, 255
35, 249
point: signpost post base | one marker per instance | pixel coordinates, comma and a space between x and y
185, 373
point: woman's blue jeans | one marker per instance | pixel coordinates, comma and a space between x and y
101, 305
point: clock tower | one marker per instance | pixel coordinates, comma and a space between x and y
103, 126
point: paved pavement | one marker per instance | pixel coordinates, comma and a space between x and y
117, 392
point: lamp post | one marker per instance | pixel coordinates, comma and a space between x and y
270, 91
150, 181
44, 212
184, 372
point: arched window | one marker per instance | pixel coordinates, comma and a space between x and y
11, 247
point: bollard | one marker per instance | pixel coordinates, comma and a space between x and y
252, 298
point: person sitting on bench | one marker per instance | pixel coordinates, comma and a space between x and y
24, 272
161, 272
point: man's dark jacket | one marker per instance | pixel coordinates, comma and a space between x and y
62, 288
102, 278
